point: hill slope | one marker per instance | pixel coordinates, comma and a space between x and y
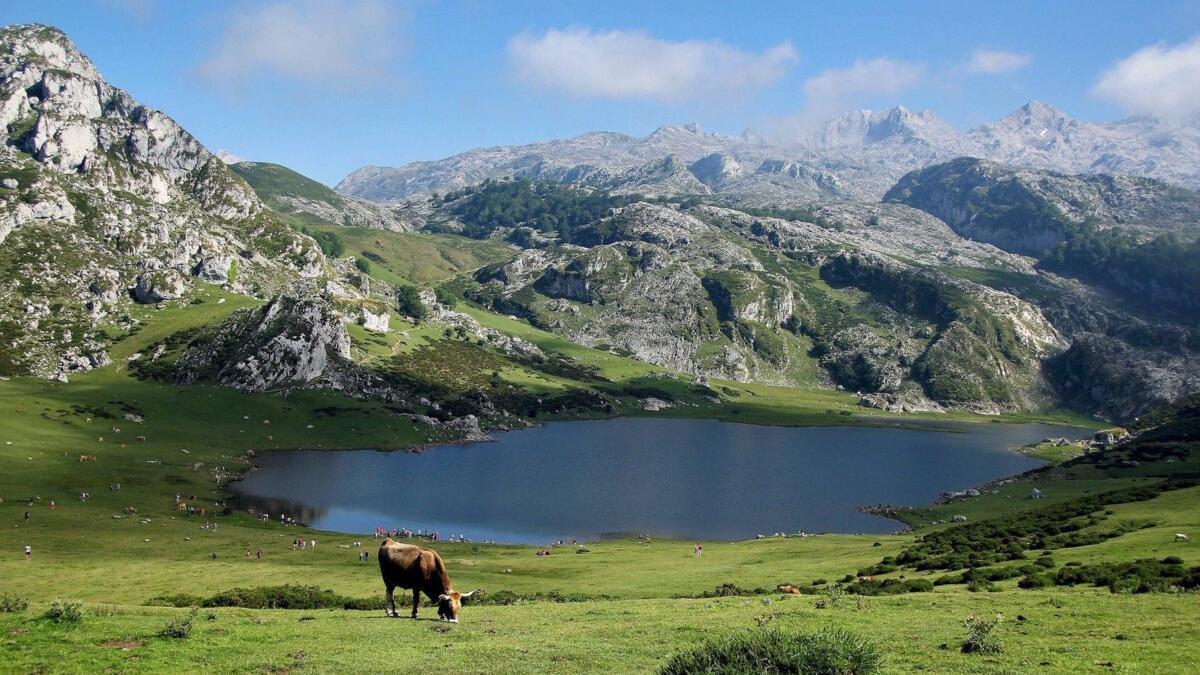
288, 192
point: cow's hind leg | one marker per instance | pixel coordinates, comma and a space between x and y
416, 602
390, 610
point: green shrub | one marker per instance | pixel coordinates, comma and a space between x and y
826, 652
65, 611
10, 604
180, 627
730, 589
979, 635
408, 302
1036, 581
833, 596
176, 600
1145, 575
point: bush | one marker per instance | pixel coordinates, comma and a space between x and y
10, 604
1036, 581
65, 611
176, 600
833, 596
827, 652
446, 296
408, 302
180, 627
1145, 575
730, 589
979, 635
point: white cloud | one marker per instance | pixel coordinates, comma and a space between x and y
837, 90
316, 41
994, 62
634, 64
1158, 80
833, 91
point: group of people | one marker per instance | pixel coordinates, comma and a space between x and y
299, 543
405, 533
258, 554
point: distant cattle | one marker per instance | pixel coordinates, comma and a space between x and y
1181, 537
86, 458
421, 570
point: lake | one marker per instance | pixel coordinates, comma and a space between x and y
684, 479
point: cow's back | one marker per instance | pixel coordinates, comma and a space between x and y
409, 566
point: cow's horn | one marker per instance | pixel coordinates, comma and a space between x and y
442, 597
467, 595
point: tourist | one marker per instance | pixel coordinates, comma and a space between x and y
259, 553
313, 544
28, 552
698, 550
52, 504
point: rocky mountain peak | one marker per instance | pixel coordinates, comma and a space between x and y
716, 169
865, 127
1040, 118
46, 47
677, 130
58, 108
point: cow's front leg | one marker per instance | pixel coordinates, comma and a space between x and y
416, 602
391, 602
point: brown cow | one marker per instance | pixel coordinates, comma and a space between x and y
421, 570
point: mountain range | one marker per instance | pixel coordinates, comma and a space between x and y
857, 155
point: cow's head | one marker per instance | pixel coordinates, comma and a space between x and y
449, 603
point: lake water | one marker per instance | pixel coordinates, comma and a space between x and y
688, 479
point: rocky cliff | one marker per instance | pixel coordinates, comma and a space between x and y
103, 202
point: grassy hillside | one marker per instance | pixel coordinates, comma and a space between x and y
272, 180
415, 257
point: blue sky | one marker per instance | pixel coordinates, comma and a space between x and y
326, 87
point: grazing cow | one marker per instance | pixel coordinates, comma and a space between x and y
421, 570
1181, 537
86, 458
